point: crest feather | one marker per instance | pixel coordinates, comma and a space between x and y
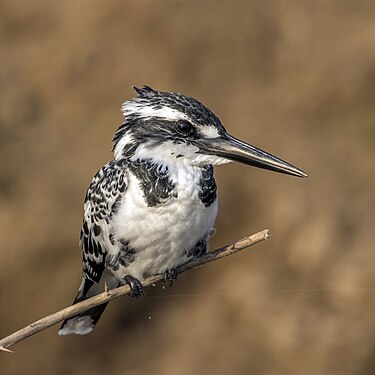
144, 90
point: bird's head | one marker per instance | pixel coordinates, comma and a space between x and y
168, 127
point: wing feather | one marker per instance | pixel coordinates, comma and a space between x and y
102, 200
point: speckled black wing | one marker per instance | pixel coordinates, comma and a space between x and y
102, 200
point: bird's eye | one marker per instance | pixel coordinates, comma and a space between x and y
184, 127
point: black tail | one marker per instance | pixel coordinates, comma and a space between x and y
84, 323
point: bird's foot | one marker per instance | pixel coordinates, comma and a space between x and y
170, 276
135, 286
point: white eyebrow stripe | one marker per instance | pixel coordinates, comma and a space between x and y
209, 131
147, 111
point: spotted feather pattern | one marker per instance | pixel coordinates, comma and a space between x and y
102, 200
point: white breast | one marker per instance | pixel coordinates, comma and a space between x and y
162, 235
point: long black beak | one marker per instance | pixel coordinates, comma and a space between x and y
233, 149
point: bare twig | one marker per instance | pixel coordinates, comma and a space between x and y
109, 295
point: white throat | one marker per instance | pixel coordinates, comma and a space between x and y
170, 154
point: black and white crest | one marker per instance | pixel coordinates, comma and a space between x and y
153, 115
152, 103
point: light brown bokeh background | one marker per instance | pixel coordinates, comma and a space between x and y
295, 78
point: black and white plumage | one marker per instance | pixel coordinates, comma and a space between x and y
153, 207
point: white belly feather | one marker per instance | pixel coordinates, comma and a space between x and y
162, 235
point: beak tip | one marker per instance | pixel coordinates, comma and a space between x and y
299, 173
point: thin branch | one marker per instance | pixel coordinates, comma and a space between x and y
109, 295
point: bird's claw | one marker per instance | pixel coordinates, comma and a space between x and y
135, 286
170, 276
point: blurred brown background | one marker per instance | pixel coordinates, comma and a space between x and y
295, 78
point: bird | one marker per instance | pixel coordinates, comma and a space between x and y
153, 207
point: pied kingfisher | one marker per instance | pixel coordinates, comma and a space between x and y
154, 205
